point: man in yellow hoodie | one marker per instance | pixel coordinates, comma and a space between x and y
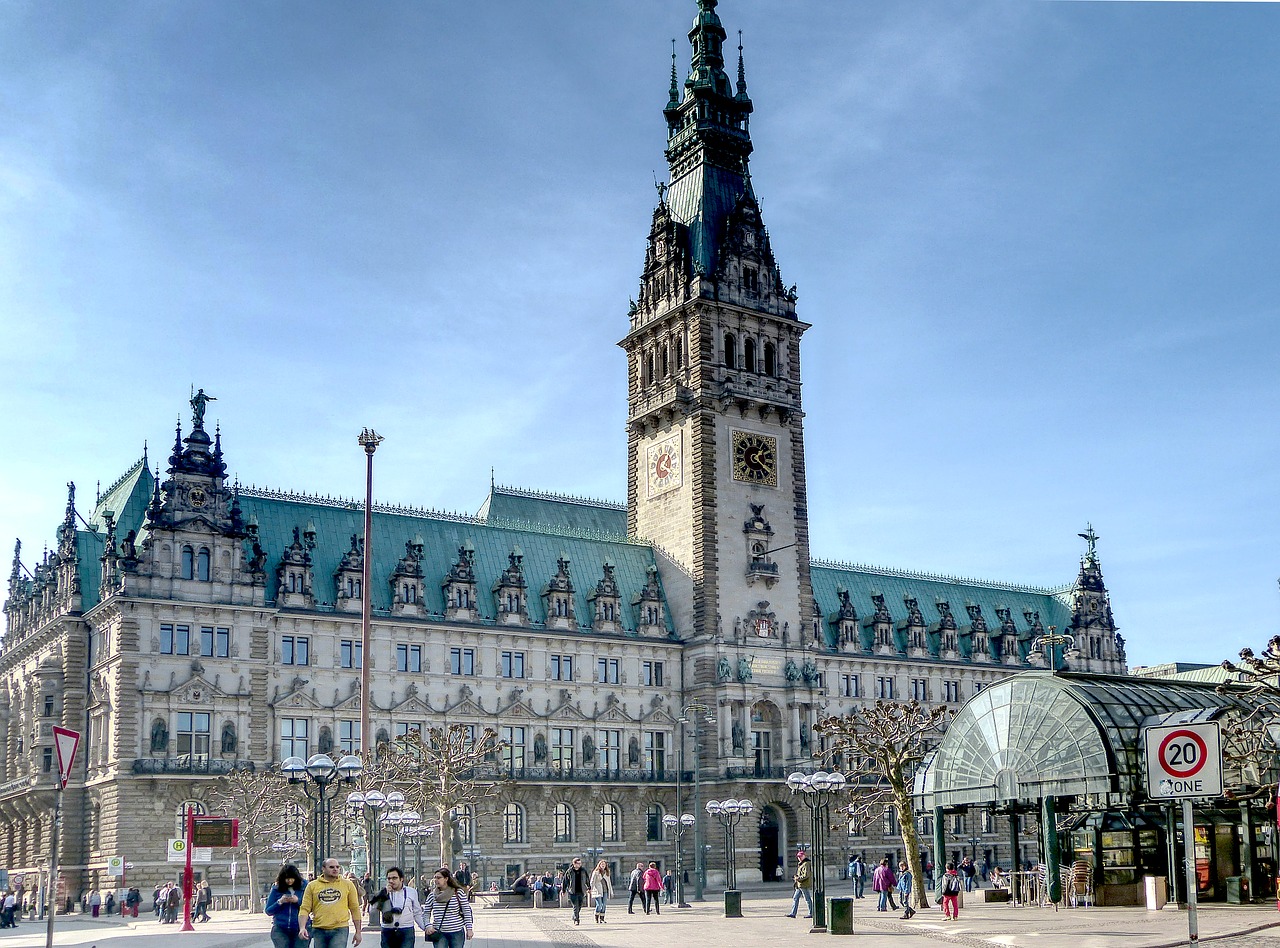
329, 904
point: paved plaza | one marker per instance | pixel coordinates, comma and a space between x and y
764, 923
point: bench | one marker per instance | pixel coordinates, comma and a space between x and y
512, 898
995, 895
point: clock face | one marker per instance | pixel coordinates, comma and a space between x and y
197, 497
665, 470
755, 458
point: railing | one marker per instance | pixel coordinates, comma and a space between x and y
188, 765
17, 786
583, 775
756, 773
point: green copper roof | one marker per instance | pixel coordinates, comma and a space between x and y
89, 547
442, 535
127, 499
555, 510
927, 589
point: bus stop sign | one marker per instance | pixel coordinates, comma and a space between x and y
1184, 761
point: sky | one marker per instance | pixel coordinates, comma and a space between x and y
1036, 242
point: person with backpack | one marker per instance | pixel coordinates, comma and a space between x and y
635, 885
858, 873
803, 880
951, 888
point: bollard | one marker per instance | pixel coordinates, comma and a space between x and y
840, 915
732, 903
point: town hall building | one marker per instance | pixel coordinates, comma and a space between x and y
188, 626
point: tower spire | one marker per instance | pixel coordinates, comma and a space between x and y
742, 70
673, 99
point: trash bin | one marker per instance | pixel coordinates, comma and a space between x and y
840, 915
1156, 889
1237, 890
732, 903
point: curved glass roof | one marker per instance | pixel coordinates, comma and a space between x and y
1041, 733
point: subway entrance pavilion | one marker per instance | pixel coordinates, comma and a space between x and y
189, 627
1063, 750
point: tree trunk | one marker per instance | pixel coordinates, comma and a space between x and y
911, 842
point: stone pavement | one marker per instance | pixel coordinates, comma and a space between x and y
764, 924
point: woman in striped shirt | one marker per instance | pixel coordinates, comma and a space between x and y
447, 911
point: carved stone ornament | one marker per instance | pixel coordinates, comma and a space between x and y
228, 738
159, 736
724, 671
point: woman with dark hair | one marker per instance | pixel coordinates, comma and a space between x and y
447, 911
282, 906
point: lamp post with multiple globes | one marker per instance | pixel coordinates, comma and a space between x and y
730, 814
319, 776
370, 804
816, 790
678, 825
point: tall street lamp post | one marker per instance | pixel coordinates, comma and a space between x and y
696, 713
730, 813
369, 440
816, 790
1050, 642
678, 827
319, 777
369, 804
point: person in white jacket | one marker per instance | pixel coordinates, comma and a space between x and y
398, 909
601, 889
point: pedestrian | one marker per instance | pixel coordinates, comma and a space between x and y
203, 898
398, 907
803, 882
7, 910
858, 873
669, 886
577, 885
635, 885
652, 886
904, 889
447, 911
95, 902
463, 878
282, 905
951, 886
330, 905
172, 904
970, 872
882, 882
602, 889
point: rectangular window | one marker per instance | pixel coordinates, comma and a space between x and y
351, 653
462, 661
609, 749
293, 738
562, 749
891, 821
988, 821
762, 750
562, 668
513, 664
951, 690
957, 824
978, 686
215, 643
175, 639
653, 674
47, 763
655, 753
193, 735
349, 737
513, 749
409, 658
850, 686
607, 670
404, 727
48, 706
885, 689
920, 689
295, 650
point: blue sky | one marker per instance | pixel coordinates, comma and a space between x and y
1036, 242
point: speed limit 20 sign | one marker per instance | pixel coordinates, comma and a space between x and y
1184, 760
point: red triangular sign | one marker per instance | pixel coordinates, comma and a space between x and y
65, 741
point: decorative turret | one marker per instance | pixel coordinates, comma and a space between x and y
407, 579
294, 576
348, 577
459, 586
650, 616
845, 621
1092, 625
510, 591
557, 596
606, 602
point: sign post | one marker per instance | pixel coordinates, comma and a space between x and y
1184, 761
65, 743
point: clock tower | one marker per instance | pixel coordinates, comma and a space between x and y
715, 433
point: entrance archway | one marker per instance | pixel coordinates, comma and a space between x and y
773, 843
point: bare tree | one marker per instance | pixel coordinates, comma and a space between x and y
880, 746
441, 771
260, 801
1249, 735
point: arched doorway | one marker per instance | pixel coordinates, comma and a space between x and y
773, 843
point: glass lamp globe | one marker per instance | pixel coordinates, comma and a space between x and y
669, 820
714, 807
350, 767
295, 768
745, 807
797, 781
836, 782
321, 767
688, 819
376, 799
395, 799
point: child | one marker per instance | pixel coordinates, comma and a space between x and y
951, 886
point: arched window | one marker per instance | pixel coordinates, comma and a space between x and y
653, 823
513, 823
749, 355
610, 823
648, 368
180, 816
564, 823
730, 351
770, 359
188, 563
465, 818
666, 362
679, 348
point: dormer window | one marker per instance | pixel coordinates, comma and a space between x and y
202, 565
751, 279
188, 563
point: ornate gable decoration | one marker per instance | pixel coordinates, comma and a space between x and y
459, 585
510, 591
557, 596
650, 619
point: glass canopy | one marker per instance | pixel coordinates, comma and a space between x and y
1042, 733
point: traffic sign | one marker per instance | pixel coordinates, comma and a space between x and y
65, 741
1184, 760
115, 865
